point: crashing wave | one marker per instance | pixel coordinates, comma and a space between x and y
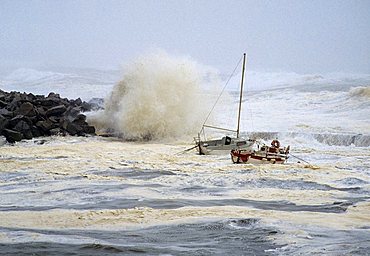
158, 97
331, 139
360, 92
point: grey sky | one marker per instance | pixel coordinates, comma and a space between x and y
300, 36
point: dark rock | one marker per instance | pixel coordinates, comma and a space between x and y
85, 106
6, 113
78, 102
36, 132
72, 113
3, 123
89, 129
55, 131
41, 111
12, 136
56, 111
3, 104
53, 95
54, 119
24, 128
26, 109
73, 129
46, 125
80, 120
15, 120
24, 116
13, 105
48, 102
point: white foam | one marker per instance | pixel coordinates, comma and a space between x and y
159, 96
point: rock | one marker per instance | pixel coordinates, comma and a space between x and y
54, 119
55, 131
6, 113
73, 129
78, 102
46, 125
41, 111
26, 109
80, 120
24, 128
3, 123
3, 104
36, 132
89, 129
15, 120
53, 95
85, 106
56, 111
24, 116
12, 136
49, 102
72, 113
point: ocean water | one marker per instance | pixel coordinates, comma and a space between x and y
108, 196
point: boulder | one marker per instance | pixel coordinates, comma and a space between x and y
89, 129
55, 131
77, 102
26, 109
46, 125
6, 113
3, 123
56, 111
80, 120
36, 132
24, 128
73, 129
24, 116
12, 136
85, 106
71, 113
53, 95
3, 103
15, 120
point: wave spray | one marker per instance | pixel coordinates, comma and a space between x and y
158, 97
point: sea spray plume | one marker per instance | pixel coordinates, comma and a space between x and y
158, 97
360, 92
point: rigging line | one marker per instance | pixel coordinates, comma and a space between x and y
223, 89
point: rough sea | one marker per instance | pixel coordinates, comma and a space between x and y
108, 196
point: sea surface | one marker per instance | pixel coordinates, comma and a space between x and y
108, 196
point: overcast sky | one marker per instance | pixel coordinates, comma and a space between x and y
300, 36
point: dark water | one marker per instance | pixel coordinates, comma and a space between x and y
233, 237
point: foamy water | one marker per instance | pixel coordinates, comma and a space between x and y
96, 196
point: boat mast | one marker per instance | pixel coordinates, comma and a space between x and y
241, 96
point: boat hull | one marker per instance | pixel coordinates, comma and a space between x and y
222, 146
255, 157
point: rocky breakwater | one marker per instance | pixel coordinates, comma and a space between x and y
25, 116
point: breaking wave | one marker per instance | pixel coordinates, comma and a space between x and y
331, 139
360, 92
158, 97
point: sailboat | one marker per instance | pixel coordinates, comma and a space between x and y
226, 143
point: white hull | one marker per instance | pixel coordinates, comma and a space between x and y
223, 146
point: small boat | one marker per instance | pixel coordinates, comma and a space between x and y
226, 143
223, 145
263, 154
